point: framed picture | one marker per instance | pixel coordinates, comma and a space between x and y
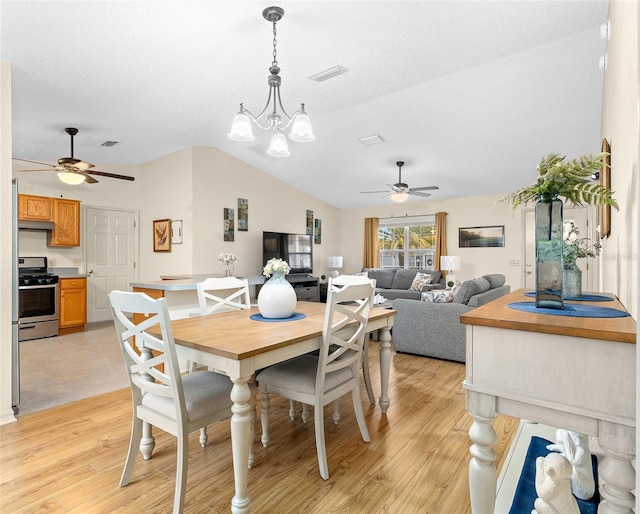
317, 231
605, 181
229, 225
161, 235
243, 214
481, 237
309, 229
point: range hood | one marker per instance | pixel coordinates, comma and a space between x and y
35, 225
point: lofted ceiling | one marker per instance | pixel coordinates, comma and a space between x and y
470, 94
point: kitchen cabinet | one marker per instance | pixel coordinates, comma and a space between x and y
73, 305
32, 207
66, 217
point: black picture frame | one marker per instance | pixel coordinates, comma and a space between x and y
481, 237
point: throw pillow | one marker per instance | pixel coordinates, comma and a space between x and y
495, 280
442, 297
421, 280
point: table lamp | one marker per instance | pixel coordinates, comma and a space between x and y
334, 263
450, 263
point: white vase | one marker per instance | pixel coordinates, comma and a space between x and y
276, 298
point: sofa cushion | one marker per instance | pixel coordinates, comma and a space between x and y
469, 288
420, 280
496, 280
383, 277
403, 278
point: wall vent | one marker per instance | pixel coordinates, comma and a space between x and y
328, 74
109, 143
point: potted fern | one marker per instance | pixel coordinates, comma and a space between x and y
558, 178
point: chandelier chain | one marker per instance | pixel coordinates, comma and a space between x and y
275, 42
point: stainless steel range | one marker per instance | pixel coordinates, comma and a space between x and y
37, 299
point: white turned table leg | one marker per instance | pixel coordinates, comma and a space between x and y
617, 476
240, 442
385, 366
482, 470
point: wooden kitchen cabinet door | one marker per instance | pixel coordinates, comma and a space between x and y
73, 303
66, 217
32, 207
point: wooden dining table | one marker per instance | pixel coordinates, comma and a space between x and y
237, 345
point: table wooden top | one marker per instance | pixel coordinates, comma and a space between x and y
234, 335
497, 314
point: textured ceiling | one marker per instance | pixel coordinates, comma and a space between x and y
469, 94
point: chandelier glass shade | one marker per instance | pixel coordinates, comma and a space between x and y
72, 179
399, 197
273, 117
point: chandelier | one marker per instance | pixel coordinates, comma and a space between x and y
301, 131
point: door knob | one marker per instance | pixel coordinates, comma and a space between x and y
90, 272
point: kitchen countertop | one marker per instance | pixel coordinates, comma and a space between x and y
67, 272
184, 282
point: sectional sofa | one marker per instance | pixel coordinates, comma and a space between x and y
433, 329
393, 283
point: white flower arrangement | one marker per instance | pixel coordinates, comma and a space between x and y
275, 266
227, 258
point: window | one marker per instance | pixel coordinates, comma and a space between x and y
408, 242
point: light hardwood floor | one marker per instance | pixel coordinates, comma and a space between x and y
69, 458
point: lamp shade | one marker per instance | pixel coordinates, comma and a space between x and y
450, 262
278, 146
301, 130
335, 261
241, 128
399, 197
72, 179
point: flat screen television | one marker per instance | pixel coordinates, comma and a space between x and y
295, 249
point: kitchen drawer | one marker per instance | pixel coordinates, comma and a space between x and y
308, 294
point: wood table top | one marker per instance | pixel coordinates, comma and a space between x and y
234, 335
497, 314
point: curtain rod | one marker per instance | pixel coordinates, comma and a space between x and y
406, 216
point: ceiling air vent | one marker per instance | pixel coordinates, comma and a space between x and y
109, 143
328, 74
371, 140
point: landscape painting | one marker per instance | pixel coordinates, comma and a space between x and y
481, 237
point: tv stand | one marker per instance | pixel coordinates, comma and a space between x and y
305, 286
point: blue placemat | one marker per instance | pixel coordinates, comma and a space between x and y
584, 298
570, 309
526, 495
295, 316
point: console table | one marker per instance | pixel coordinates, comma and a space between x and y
573, 373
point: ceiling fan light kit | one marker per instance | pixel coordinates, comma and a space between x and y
301, 130
400, 191
73, 171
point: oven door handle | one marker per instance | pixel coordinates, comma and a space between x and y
38, 286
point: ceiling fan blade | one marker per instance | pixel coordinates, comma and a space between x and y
425, 188
83, 166
49, 169
415, 193
110, 175
365, 192
87, 178
34, 162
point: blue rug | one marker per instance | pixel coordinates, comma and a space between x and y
525, 494
583, 298
295, 316
570, 309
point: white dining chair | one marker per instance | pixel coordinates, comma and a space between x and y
224, 293
161, 396
318, 380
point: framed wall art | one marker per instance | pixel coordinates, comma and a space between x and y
605, 181
317, 232
229, 228
309, 223
481, 237
243, 214
161, 235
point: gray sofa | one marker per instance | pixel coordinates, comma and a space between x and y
434, 329
394, 283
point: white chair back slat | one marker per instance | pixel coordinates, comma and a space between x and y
232, 293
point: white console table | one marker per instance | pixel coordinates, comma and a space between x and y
574, 373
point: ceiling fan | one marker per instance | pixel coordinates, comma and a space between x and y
400, 190
74, 171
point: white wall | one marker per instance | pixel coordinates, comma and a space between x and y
195, 185
462, 212
620, 114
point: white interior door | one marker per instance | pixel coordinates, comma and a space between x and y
580, 215
110, 237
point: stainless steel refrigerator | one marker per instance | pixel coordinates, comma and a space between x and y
15, 348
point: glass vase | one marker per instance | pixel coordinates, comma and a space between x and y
228, 269
571, 280
277, 298
548, 213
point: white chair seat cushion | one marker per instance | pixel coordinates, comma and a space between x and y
299, 374
205, 393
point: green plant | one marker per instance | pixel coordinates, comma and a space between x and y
451, 283
568, 179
